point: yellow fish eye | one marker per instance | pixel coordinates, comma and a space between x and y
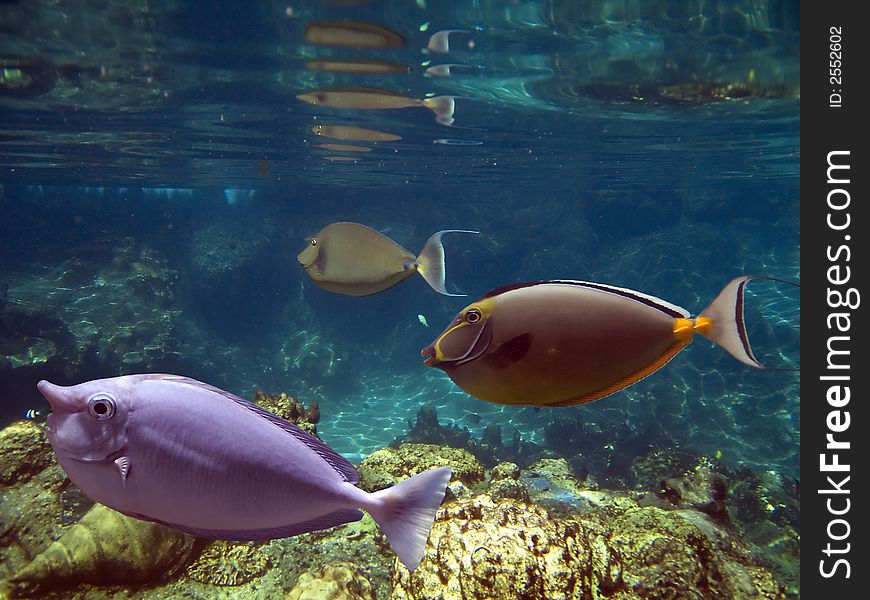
472, 315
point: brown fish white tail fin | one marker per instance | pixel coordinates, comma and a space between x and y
443, 107
722, 321
431, 261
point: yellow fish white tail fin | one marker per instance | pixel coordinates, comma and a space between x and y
431, 261
443, 107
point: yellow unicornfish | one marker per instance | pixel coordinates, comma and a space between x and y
363, 98
352, 259
560, 343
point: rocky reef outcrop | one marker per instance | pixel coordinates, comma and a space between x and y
386, 467
542, 529
485, 548
332, 581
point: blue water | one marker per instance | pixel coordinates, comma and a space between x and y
158, 177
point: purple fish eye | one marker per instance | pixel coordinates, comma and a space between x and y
406, 264
472, 316
101, 407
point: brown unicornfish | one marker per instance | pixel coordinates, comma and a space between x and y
363, 98
560, 343
355, 260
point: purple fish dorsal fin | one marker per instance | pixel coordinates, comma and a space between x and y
335, 460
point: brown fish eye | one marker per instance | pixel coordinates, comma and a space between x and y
472, 316
101, 407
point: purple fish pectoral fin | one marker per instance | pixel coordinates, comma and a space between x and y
338, 517
722, 321
123, 466
431, 261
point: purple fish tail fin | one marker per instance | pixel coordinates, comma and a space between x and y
407, 510
430, 262
443, 107
722, 321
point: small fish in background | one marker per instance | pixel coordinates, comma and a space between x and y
355, 260
264, 167
363, 98
422, 320
472, 418
203, 461
561, 342
352, 34
32, 414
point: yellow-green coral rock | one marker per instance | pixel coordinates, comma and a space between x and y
229, 563
333, 581
494, 549
486, 548
24, 452
105, 548
388, 466
505, 482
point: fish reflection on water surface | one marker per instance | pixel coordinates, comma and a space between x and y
363, 98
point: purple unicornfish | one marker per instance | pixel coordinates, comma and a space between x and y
193, 457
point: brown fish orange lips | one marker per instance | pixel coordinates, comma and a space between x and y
428, 354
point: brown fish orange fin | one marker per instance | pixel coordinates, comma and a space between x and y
443, 107
430, 262
722, 321
623, 383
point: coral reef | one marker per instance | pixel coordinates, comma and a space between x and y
505, 482
700, 489
427, 430
24, 452
225, 563
110, 307
289, 408
486, 548
332, 581
359, 543
538, 529
388, 466
550, 481
105, 548
483, 548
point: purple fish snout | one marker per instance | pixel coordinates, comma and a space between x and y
62, 399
